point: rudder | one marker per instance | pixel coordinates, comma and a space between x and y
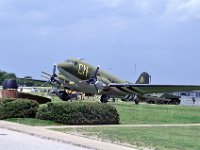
144, 78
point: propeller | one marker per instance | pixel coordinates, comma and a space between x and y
46, 74
94, 81
93, 78
52, 78
45, 77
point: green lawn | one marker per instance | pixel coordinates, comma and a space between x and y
157, 114
148, 114
32, 122
162, 138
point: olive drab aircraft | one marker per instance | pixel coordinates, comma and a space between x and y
78, 75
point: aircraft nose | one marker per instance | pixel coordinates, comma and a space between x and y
63, 65
60, 65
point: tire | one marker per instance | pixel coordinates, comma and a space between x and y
104, 99
64, 96
137, 101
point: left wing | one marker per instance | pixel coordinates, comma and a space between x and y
36, 80
153, 88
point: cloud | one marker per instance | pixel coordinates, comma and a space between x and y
112, 3
73, 11
182, 10
167, 10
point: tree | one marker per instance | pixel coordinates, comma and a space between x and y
26, 81
4, 75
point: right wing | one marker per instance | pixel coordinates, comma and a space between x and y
153, 88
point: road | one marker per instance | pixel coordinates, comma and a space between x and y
58, 136
187, 101
11, 140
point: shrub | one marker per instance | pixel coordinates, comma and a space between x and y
79, 113
18, 108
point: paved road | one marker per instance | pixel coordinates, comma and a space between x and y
11, 140
187, 101
59, 136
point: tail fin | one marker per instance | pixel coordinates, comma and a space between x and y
144, 78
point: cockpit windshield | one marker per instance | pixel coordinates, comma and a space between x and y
71, 62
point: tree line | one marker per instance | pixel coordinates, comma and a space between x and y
21, 81
4, 75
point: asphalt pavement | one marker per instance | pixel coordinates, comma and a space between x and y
12, 140
44, 133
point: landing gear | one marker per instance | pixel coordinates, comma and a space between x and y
104, 98
136, 101
64, 96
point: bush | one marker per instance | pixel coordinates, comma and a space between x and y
18, 108
79, 113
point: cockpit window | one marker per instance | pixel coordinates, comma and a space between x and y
71, 62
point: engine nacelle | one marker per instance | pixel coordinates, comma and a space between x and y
100, 85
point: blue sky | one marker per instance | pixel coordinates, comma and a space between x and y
160, 37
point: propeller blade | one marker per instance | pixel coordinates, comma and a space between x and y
96, 88
96, 72
45, 77
45, 83
55, 80
93, 78
94, 81
54, 69
51, 78
45, 73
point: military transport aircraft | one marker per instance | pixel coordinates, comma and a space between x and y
77, 75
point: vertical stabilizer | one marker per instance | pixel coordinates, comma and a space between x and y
143, 79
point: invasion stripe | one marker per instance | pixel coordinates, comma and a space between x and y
134, 90
123, 90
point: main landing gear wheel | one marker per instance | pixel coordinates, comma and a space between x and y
137, 101
64, 96
104, 99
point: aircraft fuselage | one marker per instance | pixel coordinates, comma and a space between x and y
74, 70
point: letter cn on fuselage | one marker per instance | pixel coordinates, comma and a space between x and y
83, 70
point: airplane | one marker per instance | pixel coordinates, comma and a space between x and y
78, 75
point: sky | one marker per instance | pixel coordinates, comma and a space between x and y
159, 37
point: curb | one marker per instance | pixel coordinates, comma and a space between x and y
63, 137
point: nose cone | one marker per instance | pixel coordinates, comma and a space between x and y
61, 65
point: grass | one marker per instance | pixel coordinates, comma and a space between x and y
32, 122
148, 114
162, 138
157, 114
153, 114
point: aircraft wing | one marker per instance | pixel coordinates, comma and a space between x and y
153, 88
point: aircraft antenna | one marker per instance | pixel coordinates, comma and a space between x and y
81, 59
135, 69
149, 79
